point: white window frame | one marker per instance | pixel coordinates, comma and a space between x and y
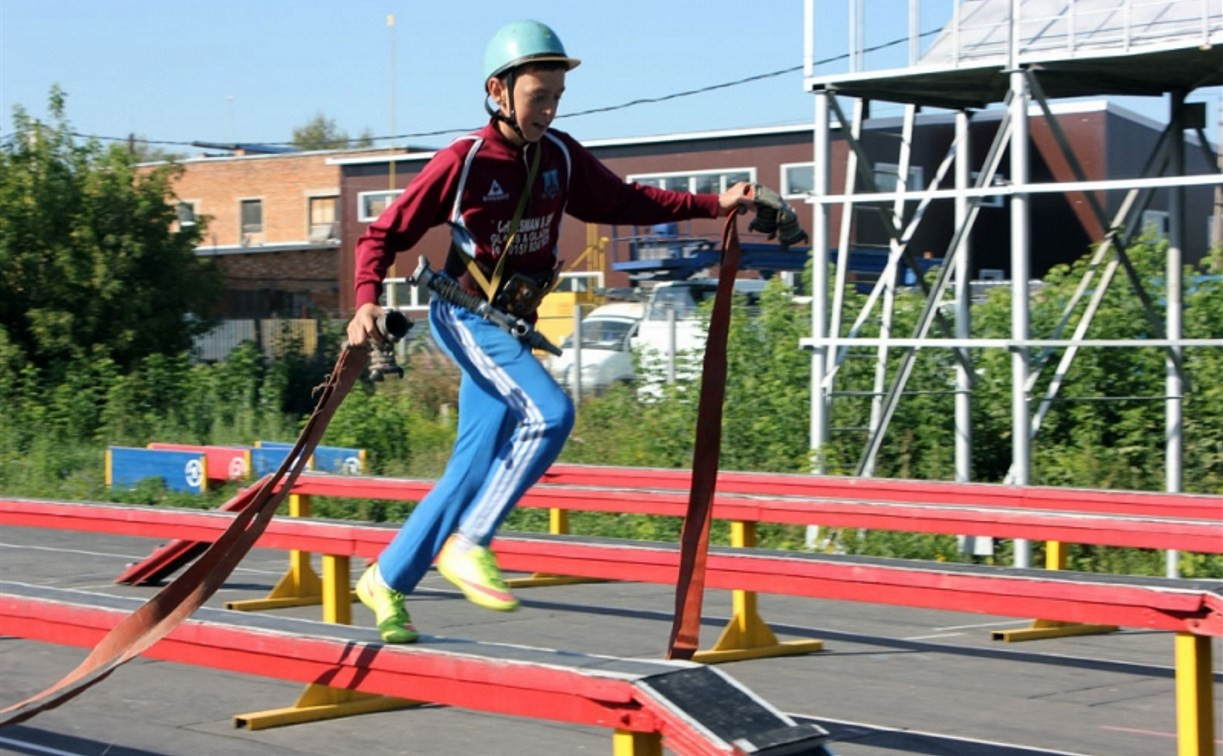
786, 190
242, 229
363, 205
917, 176
195, 212
990, 200
726, 177
335, 222
581, 282
1160, 219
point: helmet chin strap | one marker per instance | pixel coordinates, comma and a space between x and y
496, 114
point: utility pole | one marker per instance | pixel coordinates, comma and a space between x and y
390, 23
1216, 227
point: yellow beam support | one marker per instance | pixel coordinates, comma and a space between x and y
625, 743
540, 580
1042, 628
1195, 709
319, 702
1056, 554
337, 598
558, 521
558, 524
300, 585
746, 635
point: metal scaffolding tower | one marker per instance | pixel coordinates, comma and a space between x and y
1020, 54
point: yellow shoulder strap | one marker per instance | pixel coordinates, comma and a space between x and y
490, 287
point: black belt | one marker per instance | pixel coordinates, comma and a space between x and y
449, 290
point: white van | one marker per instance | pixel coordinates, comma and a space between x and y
606, 348
683, 298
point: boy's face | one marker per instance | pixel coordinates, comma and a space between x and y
537, 95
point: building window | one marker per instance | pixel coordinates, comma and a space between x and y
702, 182
186, 214
322, 219
886, 175
797, 180
252, 216
993, 200
1156, 222
371, 204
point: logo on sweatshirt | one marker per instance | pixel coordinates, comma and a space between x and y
495, 193
552, 184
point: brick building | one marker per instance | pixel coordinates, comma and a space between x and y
284, 227
1109, 141
273, 227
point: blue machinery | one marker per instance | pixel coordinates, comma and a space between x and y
664, 254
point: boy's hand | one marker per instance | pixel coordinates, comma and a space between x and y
364, 325
737, 197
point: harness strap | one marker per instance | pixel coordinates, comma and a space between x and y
490, 287
694, 538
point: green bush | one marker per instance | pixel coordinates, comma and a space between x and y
57, 423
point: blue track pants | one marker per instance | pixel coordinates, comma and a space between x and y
513, 422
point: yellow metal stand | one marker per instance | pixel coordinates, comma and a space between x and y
1041, 629
300, 586
1055, 559
558, 524
320, 701
626, 743
1195, 709
747, 636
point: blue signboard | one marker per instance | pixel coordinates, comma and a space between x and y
180, 470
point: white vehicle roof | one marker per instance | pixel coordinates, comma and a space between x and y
626, 310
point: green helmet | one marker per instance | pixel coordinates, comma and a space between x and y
521, 42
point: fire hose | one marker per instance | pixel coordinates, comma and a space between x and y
177, 601
775, 218
185, 594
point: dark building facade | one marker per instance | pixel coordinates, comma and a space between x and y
1108, 143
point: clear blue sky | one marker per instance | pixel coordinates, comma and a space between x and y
253, 70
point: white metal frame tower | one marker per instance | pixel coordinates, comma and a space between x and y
1020, 54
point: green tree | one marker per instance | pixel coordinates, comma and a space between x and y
1105, 427
322, 133
91, 262
145, 151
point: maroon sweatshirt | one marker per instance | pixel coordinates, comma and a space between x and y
476, 182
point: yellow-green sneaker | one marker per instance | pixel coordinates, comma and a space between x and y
474, 570
394, 624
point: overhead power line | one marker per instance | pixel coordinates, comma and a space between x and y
591, 111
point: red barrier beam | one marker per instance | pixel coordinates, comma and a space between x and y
282, 533
1154, 603
1164, 532
602, 691
1138, 602
1193, 506
168, 557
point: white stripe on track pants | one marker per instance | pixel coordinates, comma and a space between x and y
513, 422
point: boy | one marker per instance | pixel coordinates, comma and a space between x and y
505, 187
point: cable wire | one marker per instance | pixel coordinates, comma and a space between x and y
591, 111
